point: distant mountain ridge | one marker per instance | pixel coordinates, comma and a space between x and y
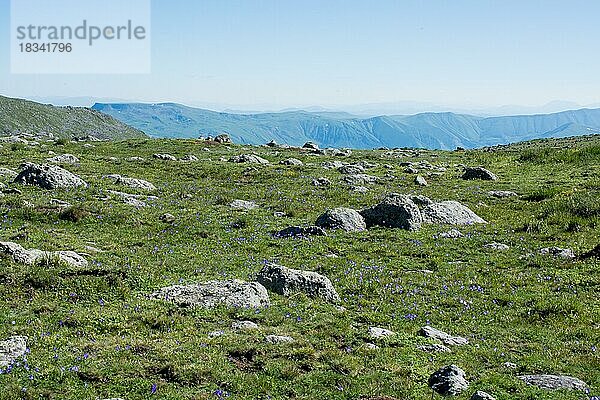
19, 116
328, 129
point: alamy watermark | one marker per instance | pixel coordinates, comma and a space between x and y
80, 36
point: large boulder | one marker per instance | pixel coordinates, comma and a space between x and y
395, 211
451, 213
233, 293
12, 349
48, 177
287, 281
554, 382
32, 256
342, 218
478, 173
448, 381
223, 138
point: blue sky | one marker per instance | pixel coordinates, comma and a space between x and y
274, 53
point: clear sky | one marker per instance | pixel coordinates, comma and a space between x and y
284, 53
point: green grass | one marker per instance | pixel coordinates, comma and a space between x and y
93, 333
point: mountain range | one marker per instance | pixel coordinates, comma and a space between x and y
337, 129
19, 116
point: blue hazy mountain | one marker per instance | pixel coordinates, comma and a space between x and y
338, 129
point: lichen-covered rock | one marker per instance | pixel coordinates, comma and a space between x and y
342, 218
558, 252
450, 213
12, 349
32, 256
360, 179
164, 157
233, 293
133, 183
243, 205
502, 193
379, 333
395, 211
291, 161
48, 177
277, 339
351, 169
449, 381
430, 332
248, 158
554, 382
497, 246
287, 281
64, 159
480, 395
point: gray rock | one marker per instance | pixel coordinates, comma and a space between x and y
48, 177
478, 173
233, 293
379, 333
134, 200
448, 381
351, 169
321, 182
342, 218
479, 395
430, 332
371, 346
276, 339
411, 170
395, 211
9, 174
450, 213
32, 256
497, 246
167, 218
558, 252
452, 234
421, 201
133, 183
359, 189
291, 161
64, 159
243, 205
248, 158
164, 157
223, 138
305, 231
501, 193
554, 382
434, 348
12, 349
360, 179
332, 164
135, 158
244, 325
419, 180
310, 146
189, 158
287, 281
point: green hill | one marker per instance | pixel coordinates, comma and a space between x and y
21, 116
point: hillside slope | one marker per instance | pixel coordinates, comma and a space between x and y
22, 116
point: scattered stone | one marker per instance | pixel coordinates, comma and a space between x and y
554, 382
136, 159
304, 231
33, 256
419, 180
501, 193
223, 138
244, 325
189, 158
434, 348
48, 177
452, 234
287, 281
342, 218
479, 395
64, 159
351, 169
478, 173
395, 211
332, 164
279, 214
167, 218
359, 189
291, 161
248, 158
134, 200
12, 349
133, 183
411, 170
243, 205
233, 293
430, 332
509, 365
275, 339
497, 246
557, 252
164, 157
450, 213
371, 346
321, 182
9, 174
310, 146
379, 333
360, 179
448, 381
215, 334
272, 143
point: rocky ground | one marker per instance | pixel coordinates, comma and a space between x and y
200, 269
